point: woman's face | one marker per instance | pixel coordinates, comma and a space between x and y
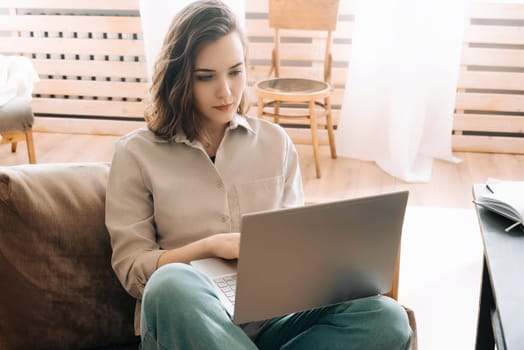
219, 79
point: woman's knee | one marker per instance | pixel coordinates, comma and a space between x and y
172, 284
392, 322
386, 322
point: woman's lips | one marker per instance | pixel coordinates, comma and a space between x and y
223, 108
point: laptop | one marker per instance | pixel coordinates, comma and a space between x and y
307, 257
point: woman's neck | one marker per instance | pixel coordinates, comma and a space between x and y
211, 138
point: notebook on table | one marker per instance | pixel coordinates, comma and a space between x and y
506, 198
308, 257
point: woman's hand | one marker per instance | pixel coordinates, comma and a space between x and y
221, 245
225, 245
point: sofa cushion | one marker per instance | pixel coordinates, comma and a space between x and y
58, 288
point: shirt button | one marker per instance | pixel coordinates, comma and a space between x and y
225, 218
220, 184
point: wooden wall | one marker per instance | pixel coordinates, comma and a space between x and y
90, 57
490, 98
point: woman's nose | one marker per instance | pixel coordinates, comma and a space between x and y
224, 88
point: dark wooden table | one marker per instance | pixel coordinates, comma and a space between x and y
501, 312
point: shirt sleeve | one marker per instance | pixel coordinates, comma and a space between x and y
293, 189
130, 222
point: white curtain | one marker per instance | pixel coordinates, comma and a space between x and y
401, 84
156, 16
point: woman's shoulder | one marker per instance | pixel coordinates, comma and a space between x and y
265, 127
138, 142
140, 136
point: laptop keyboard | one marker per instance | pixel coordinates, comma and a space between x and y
228, 285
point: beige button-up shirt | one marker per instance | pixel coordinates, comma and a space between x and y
163, 195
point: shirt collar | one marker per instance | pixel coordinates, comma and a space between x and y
240, 121
237, 121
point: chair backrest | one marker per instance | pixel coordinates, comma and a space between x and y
310, 15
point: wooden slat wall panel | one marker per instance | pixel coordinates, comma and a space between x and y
475, 56
66, 46
494, 80
89, 55
488, 144
491, 123
494, 34
114, 5
489, 107
88, 108
65, 23
87, 88
83, 68
490, 102
88, 126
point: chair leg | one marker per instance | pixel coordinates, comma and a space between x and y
276, 116
30, 146
393, 293
260, 112
329, 123
314, 136
13, 146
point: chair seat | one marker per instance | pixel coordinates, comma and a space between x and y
297, 87
16, 115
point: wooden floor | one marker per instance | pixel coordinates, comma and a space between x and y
450, 184
441, 245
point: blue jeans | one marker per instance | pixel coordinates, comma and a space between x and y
180, 310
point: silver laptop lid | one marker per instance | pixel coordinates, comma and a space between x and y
308, 257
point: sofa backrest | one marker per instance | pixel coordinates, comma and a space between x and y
58, 288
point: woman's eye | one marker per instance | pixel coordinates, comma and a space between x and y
235, 72
204, 77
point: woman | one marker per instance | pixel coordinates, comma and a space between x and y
177, 190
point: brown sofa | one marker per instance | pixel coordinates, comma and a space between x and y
58, 289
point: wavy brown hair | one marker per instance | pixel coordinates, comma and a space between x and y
171, 106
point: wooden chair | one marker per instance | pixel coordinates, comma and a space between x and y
279, 96
16, 120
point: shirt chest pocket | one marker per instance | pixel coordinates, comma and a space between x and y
262, 194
